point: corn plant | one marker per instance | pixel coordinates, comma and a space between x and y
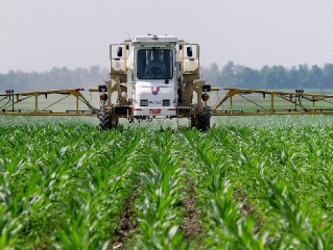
160, 213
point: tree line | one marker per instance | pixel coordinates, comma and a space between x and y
230, 75
274, 77
56, 78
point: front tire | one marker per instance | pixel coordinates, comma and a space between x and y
202, 122
104, 120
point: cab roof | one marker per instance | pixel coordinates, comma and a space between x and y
155, 38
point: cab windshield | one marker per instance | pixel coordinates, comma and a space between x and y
154, 64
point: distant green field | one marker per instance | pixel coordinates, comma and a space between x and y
247, 183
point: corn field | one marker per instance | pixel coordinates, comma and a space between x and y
247, 183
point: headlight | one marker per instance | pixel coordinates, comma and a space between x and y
166, 102
144, 102
205, 97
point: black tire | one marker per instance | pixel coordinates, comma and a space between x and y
204, 120
104, 120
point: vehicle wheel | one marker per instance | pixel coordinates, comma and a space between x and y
116, 125
204, 120
104, 120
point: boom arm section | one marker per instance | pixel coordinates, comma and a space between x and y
56, 102
253, 102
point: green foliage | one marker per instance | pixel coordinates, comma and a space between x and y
160, 213
62, 186
263, 185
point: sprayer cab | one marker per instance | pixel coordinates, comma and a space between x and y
155, 89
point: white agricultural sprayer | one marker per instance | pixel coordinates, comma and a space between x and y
158, 77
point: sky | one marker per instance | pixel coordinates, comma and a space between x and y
38, 35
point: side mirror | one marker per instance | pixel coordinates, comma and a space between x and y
120, 52
127, 47
189, 51
180, 46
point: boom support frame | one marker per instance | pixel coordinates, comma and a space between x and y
284, 97
10, 100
